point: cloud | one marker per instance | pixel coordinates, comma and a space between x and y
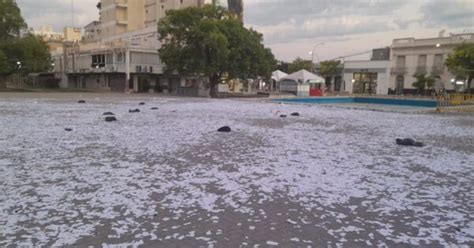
57, 13
449, 13
283, 21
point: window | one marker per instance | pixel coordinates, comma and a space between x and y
438, 60
98, 60
422, 60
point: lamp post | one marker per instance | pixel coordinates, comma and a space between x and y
312, 55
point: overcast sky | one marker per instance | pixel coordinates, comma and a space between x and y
292, 27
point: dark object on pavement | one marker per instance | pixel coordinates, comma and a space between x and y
154, 108
109, 113
224, 129
295, 114
409, 142
142, 103
110, 118
81, 101
68, 129
283, 116
134, 111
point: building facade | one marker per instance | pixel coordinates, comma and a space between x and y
120, 51
92, 32
412, 56
121, 16
368, 76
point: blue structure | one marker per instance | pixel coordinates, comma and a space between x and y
367, 100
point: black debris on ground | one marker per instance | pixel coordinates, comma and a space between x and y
283, 116
142, 103
295, 114
68, 129
224, 129
108, 113
134, 111
110, 118
154, 108
409, 142
81, 101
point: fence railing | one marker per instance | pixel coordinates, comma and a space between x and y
455, 102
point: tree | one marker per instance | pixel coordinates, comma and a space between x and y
11, 22
423, 82
31, 51
299, 64
461, 62
329, 69
210, 42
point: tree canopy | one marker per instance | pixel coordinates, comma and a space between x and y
329, 68
11, 21
209, 42
299, 64
28, 50
461, 62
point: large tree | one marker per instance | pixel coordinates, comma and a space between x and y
19, 53
209, 42
461, 62
329, 69
11, 21
299, 64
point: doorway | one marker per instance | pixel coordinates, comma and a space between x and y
399, 84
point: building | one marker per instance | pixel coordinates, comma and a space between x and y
412, 56
368, 76
121, 16
92, 32
47, 33
155, 10
72, 34
120, 51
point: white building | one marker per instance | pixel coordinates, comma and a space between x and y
366, 76
412, 56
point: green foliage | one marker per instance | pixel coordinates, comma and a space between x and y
209, 41
299, 64
29, 50
423, 82
11, 22
461, 62
329, 68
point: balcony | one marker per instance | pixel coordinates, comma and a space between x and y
420, 69
437, 70
399, 70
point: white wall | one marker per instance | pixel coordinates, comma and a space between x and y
381, 67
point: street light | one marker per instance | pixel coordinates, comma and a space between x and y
438, 45
312, 55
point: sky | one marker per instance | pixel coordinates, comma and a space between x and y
292, 28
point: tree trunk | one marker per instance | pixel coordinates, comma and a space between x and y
214, 81
3, 82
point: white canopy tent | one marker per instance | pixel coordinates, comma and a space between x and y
304, 76
278, 75
299, 82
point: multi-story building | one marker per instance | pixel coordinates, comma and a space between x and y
92, 32
412, 56
125, 56
72, 34
47, 33
121, 16
155, 10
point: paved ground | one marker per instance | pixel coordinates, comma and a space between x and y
165, 178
